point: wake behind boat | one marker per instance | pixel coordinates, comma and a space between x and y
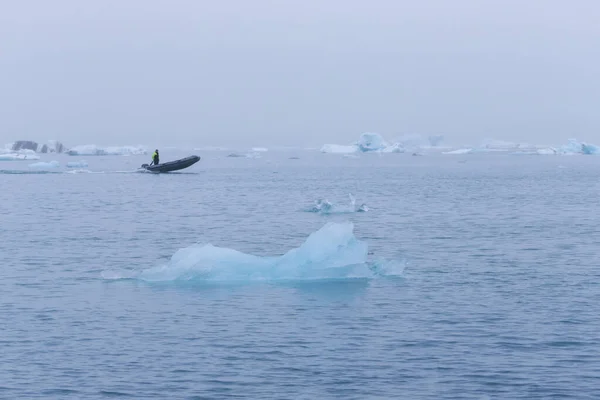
172, 165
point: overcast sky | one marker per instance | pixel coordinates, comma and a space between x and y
298, 72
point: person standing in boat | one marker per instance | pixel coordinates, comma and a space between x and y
155, 158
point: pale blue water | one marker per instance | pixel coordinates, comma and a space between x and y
498, 300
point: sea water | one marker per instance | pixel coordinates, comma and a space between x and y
472, 276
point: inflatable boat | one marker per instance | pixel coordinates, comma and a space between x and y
172, 165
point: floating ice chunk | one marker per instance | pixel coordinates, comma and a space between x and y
576, 147
8, 157
395, 148
323, 206
458, 151
549, 151
45, 165
339, 149
371, 142
332, 252
590, 149
19, 155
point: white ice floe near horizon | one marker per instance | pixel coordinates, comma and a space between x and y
93, 150
417, 144
339, 149
458, 151
375, 143
573, 147
45, 165
7, 154
368, 142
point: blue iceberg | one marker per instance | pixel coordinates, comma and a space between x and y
333, 252
577, 147
371, 142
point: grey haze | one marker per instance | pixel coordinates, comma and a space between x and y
298, 73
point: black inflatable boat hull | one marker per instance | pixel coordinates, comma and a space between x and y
172, 165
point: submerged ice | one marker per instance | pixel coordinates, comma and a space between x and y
333, 252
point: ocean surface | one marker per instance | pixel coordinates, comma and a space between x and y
472, 276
